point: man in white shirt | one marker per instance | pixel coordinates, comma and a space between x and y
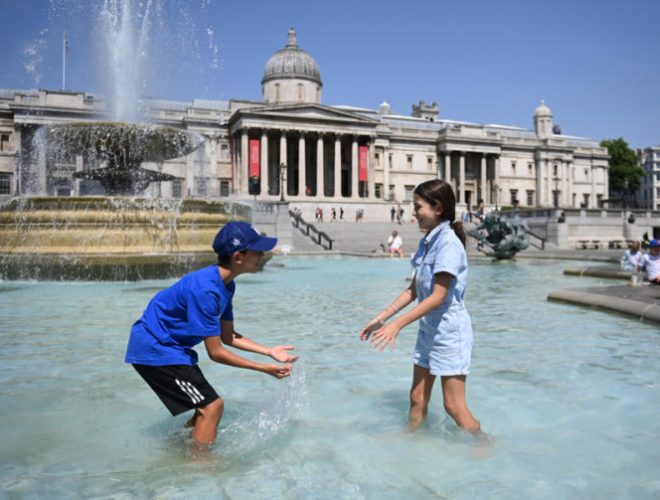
395, 242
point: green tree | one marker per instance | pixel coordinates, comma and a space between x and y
624, 165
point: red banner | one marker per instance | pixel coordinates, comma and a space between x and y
363, 163
255, 160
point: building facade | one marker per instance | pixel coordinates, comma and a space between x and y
648, 195
291, 146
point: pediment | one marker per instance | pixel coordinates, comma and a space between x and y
306, 112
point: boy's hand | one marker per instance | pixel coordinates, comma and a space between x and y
279, 353
278, 371
370, 328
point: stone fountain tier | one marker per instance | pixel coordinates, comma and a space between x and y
109, 238
117, 149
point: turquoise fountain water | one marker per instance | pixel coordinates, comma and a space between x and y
570, 395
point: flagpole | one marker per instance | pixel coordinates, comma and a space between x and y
64, 41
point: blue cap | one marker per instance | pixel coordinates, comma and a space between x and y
238, 236
654, 243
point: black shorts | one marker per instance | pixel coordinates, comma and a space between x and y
179, 387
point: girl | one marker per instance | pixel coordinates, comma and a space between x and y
444, 341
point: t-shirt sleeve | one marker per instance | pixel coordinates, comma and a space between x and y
203, 311
228, 313
448, 259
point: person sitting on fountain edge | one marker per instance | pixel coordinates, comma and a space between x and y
198, 308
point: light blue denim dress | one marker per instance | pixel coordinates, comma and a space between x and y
444, 340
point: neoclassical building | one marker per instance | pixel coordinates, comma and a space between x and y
291, 146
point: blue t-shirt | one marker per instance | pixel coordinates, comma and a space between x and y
180, 317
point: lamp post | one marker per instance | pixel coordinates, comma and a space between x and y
555, 194
282, 176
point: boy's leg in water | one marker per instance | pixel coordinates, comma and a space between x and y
191, 421
206, 422
420, 396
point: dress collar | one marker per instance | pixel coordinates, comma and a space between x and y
443, 226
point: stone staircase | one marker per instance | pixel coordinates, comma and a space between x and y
359, 237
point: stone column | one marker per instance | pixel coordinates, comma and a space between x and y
385, 158
496, 171
283, 145
337, 166
592, 198
371, 174
354, 168
244, 162
302, 184
548, 185
320, 181
448, 167
264, 164
539, 182
482, 182
461, 177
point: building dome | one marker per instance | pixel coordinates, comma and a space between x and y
292, 62
542, 110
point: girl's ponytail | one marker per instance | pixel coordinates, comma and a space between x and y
460, 232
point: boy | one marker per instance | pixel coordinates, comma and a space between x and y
198, 308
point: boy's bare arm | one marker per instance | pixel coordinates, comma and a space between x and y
233, 338
219, 354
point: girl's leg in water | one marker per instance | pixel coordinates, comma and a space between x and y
420, 396
453, 393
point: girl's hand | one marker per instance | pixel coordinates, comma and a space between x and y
280, 354
370, 328
386, 335
277, 371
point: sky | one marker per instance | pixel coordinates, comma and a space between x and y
595, 63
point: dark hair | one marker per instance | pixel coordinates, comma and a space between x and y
439, 193
225, 260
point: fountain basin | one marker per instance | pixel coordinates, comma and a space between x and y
109, 238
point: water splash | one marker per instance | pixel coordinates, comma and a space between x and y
271, 418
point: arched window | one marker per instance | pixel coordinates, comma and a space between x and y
301, 92
277, 92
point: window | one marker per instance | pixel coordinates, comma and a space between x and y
200, 186
585, 203
409, 161
530, 198
391, 193
379, 190
277, 91
513, 167
429, 162
530, 168
176, 188
554, 170
408, 193
514, 197
301, 92
586, 173
5, 183
555, 198
390, 160
224, 151
376, 157
4, 142
224, 188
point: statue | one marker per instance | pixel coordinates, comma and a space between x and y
503, 237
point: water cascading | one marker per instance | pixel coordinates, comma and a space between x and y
123, 235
